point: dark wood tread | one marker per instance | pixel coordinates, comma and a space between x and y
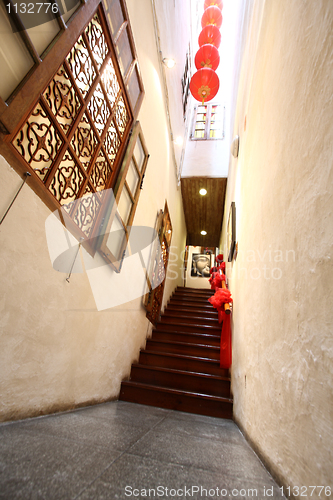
182, 362
206, 376
204, 383
199, 350
175, 399
191, 328
208, 397
191, 306
189, 318
192, 299
190, 338
190, 310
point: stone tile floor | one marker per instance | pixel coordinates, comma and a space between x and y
121, 450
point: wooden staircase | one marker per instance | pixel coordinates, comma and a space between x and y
179, 368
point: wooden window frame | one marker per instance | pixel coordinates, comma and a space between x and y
117, 260
134, 67
25, 97
207, 128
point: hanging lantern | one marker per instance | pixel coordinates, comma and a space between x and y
204, 85
210, 34
207, 57
212, 15
217, 3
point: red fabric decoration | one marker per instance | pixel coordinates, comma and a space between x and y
221, 267
210, 34
216, 280
212, 15
204, 85
213, 270
226, 342
218, 4
219, 257
221, 297
207, 57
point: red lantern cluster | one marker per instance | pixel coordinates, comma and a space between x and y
205, 83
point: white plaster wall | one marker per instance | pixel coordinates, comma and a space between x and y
282, 183
56, 350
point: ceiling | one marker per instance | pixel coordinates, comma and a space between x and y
203, 212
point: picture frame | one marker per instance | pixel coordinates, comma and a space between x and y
201, 264
231, 232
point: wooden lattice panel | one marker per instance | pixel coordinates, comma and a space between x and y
74, 135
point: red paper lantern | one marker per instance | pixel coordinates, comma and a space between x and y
207, 57
212, 15
204, 85
218, 4
210, 34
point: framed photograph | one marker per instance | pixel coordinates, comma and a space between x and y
201, 264
231, 231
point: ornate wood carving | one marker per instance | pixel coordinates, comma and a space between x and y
73, 138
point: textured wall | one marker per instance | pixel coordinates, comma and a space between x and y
281, 282
56, 350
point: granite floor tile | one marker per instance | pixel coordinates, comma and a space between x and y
136, 477
127, 413
96, 452
82, 427
36, 466
228, 456
208, 429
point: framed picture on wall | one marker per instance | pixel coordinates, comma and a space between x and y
201, 264
231, 231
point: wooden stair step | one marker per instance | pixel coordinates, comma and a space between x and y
199, 350
179, 368
189, 320
191, 300
182, 362
201, 299
191, 338
193, 290
174, 325
185, 311
175, 399
182, 380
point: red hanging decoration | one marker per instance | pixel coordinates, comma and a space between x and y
210, 34
212, 16
207, 57
204, 85
221, 267
226, 342
218, 4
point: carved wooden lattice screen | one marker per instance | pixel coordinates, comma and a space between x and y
74, 136
153, 300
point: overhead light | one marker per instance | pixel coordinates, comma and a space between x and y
203, 191
179, 141
203, 233
169, 63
